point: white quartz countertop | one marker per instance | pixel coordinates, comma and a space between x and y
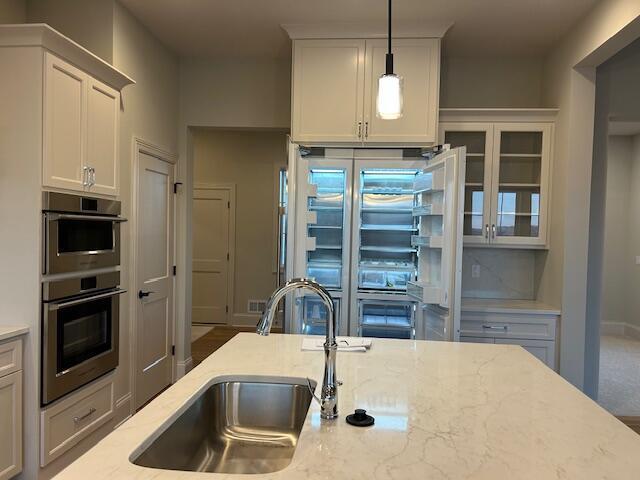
497, 305
10, 331
443, 411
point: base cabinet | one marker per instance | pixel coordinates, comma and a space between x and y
10, 408
536, 333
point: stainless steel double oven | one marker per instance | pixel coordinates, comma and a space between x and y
80, 292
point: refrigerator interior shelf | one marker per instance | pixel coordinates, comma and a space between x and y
328, 247
391, 228
424, 292
325, 227
373, 248
428, 210
374, 321
385, 210
387, 191
430, 242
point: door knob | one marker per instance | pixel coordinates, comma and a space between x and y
142, 294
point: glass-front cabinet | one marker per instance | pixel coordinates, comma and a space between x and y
507, 181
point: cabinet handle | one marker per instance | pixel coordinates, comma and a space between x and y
495, 327
85, 416
359, 129
366, 129
85, 176
493, 231
486, 230
92, 172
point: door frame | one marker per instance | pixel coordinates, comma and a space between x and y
231, 270
142, 146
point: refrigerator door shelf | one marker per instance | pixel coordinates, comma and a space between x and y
425, 292
428, 210
429, 182
429, 242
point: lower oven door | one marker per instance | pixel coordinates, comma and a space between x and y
81, 242
79, 342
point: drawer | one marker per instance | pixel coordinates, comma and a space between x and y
67, 422
10, 357
533, 327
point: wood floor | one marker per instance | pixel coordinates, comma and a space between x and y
204, 346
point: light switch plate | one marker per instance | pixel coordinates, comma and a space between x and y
475, 270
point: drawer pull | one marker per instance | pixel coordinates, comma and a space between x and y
496, 327
85, 416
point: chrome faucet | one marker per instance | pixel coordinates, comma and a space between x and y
329, 396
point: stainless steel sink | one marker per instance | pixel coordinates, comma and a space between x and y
241, 424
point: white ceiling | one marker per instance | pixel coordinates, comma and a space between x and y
252, 27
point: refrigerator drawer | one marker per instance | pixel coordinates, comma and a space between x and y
327, 275
386, 319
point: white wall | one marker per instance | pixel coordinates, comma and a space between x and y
605, 29
633, 220
224, 93
13, 11
491, 82
617, 258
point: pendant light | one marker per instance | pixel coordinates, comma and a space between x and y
389, 102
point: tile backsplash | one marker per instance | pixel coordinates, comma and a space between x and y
499, 273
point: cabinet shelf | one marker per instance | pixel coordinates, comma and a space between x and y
473, 184
521, 155
520, 185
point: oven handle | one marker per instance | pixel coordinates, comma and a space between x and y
97, 218
56, 306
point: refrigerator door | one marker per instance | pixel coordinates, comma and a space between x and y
439, 204
322, 227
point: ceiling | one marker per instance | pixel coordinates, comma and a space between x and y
206, 28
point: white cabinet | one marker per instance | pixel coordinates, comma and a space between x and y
536, 333
328, 80
80, 130
335, 86
10, 408
507, 183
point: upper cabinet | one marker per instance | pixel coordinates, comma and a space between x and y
335, 85
80, 130
507, 180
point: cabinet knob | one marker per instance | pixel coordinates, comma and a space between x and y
359, 129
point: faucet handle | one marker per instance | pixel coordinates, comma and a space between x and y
311, 391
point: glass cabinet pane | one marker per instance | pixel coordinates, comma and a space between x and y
324, 264
474, 195
519, 180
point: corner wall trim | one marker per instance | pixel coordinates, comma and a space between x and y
182, 368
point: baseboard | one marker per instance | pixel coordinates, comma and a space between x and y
182, 368
620, 329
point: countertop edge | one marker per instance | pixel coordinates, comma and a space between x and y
8, 332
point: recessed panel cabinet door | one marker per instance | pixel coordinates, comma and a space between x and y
102, 137
328, 81
65, 113
417, 62
10, 425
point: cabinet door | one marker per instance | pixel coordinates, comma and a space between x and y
417, 61
328, 84
65, 113
544, 350
478, 138
520, 184
103, 104
10, 425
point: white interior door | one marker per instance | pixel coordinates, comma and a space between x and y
155, 313
439, 191
211, 255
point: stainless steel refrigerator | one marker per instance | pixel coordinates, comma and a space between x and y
382, 230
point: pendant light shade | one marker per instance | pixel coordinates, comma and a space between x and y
389, 101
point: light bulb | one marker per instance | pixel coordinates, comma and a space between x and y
389, 103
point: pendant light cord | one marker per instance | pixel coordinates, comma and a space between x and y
389, 39
389, 56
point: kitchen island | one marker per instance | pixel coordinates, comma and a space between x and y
442, 411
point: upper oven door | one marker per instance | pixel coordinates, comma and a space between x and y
81, 242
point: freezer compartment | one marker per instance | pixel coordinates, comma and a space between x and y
312, 315
386, 319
